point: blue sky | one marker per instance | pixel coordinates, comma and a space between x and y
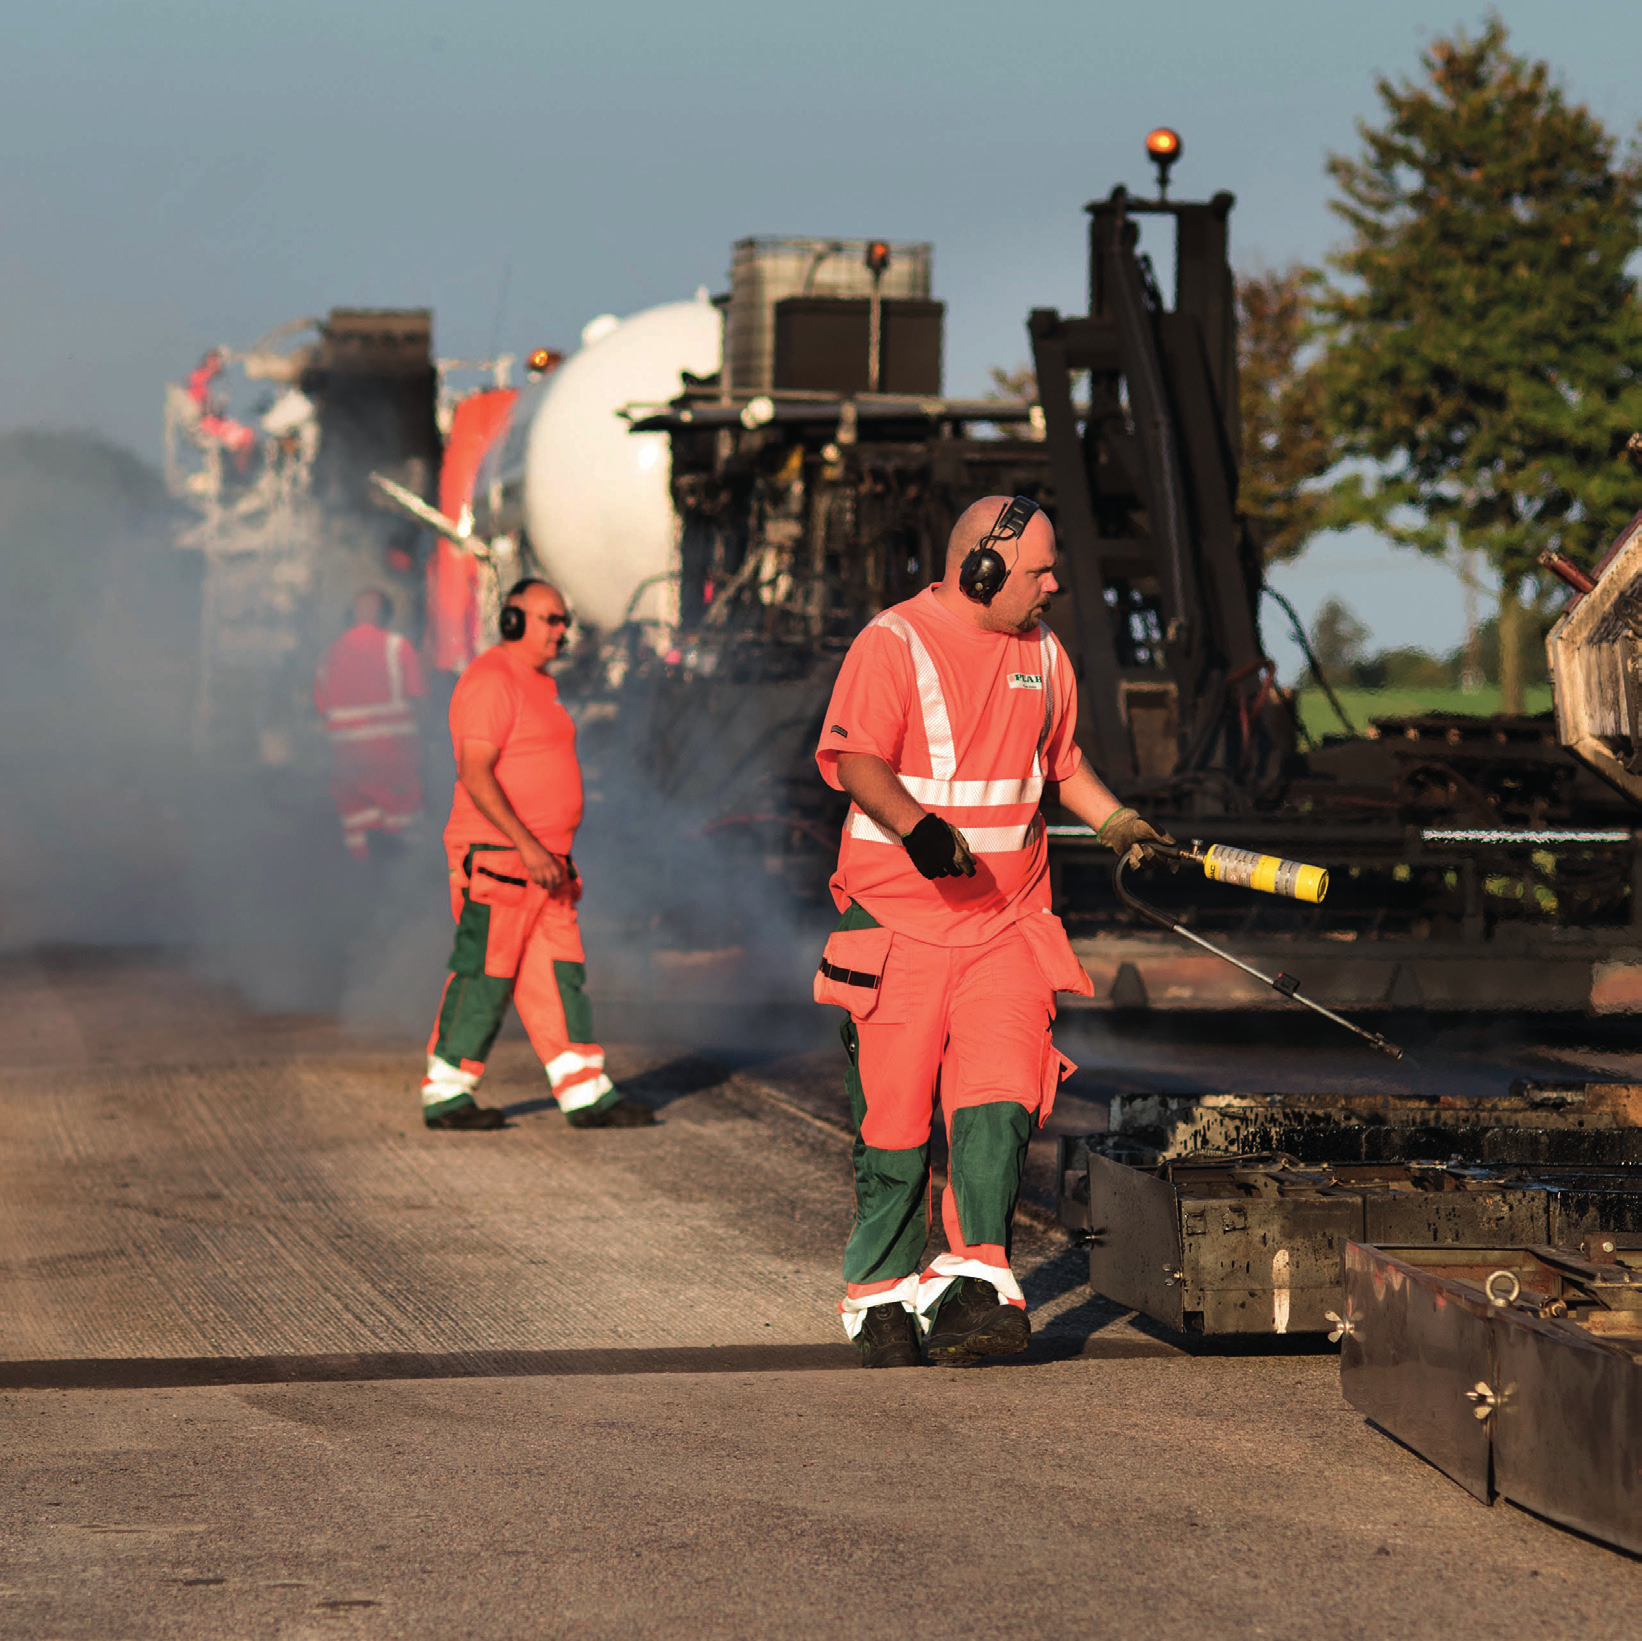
183, 173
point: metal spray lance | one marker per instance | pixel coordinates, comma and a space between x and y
1246, 869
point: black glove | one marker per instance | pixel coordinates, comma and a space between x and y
938, 849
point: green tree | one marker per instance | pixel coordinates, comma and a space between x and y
1482, 348
1338, 640
1286, 441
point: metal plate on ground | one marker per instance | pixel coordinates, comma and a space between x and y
1400, 1317
1516, 1371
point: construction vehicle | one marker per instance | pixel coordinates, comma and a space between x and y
282, 516
1475, 864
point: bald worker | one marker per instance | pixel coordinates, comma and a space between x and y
953, 715
513, 885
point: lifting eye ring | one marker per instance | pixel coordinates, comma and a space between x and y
1494, 1298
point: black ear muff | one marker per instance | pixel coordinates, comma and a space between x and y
511, 623
983, 572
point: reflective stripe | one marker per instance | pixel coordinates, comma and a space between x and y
944, 1269
864, 827
941, 789
854, 1311
1048, 653
371, 732
396, 683
564, 1065
340, 720
982, 840
974, 794
943, 760
376, 709
446, 1082
997, 840
581, 1095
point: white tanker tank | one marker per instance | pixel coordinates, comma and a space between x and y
592, 499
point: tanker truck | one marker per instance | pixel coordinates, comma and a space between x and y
548, 481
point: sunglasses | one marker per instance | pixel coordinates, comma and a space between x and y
559, 620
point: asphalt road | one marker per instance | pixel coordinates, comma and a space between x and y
274, 1361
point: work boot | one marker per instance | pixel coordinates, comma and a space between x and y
973, 1322
888, 1337
467, 1116
619, 1114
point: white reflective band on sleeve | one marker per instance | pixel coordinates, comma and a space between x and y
943, 759
974, 794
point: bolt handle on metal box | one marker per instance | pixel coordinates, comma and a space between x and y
1285, 985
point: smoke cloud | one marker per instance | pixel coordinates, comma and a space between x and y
116, 829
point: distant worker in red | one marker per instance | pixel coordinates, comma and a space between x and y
364, 690
238, 439
952, 717
513, 884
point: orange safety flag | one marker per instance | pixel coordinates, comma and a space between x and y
453, 607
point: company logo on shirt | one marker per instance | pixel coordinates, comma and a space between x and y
1026, 680
838, 729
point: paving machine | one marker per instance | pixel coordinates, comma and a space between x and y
1475, 864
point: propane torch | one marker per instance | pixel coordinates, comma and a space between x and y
1245, 869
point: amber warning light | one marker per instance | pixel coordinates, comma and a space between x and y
543, 360
1163, 145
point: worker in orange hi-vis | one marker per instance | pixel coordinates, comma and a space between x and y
364, 689
513, 884
953, 714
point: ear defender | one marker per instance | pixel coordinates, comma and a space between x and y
511, 623
983, 572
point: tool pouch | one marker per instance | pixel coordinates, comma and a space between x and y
1045, 934
852, 970
496, 877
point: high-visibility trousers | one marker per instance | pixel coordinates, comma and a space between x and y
376, 787
515, 943
970, 1024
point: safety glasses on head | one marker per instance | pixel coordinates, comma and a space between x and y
983, 572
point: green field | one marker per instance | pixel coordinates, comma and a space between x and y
1361, 705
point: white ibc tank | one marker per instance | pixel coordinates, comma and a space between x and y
594, 497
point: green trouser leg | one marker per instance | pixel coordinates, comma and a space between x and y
474, 1005
988, 1149
891, 1194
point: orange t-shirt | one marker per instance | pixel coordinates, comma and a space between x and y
517, 709
974, 723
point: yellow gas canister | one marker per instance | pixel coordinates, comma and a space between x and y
1244, 869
